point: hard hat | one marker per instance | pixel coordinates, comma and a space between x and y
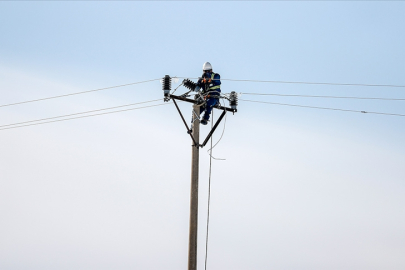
207, 66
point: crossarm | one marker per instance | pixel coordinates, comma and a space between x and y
195, 102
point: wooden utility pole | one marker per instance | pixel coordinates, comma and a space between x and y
192, 246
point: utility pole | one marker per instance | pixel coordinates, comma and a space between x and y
194, 133
195, 154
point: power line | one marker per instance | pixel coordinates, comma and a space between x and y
322, 108
313, 83
77, 93
312, 96
66, 115
84, 116
320, 83
237, 80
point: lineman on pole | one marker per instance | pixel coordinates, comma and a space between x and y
210, 85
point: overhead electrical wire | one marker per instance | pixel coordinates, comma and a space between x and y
314, 96
77, 93
33, 124
320, 83
237, 80
322, 108
66, 115
313, 83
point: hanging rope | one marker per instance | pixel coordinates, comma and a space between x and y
223, 131
209, 199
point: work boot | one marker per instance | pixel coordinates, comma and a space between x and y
204, 121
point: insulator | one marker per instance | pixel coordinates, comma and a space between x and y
189, 84
167, 85
233, 100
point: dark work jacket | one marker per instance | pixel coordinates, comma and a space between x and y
211, 84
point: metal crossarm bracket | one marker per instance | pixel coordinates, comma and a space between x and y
213, 129
196, 102
189, 131
185, 123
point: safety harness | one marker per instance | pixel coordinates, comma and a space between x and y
212, 88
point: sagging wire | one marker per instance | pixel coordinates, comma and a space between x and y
208, 203
223, 131
314, 96
77, 93
209, 189
84, 116
324, 108
73, 114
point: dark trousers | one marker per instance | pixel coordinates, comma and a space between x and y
211, 102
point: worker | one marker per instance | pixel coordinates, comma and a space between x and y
210, 85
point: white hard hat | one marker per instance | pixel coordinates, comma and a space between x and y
207, 66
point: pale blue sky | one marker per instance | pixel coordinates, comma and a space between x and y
300, 188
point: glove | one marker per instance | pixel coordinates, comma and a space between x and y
197, 88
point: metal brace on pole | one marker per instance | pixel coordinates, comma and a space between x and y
213, 129
189, 131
